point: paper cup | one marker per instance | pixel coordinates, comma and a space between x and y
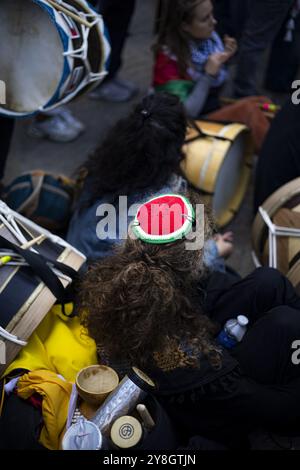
95, 383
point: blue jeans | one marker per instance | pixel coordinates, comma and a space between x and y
265, 20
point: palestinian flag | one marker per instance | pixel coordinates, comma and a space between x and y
167, 77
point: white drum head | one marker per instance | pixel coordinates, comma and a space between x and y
229, 176
31, 59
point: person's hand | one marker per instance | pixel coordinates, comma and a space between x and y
215, 62
224, 244
230, 45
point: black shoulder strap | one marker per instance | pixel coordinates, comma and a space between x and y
39, 265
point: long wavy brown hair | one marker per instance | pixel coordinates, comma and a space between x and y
171, 33
139, 301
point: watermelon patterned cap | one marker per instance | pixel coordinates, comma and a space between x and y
164, 219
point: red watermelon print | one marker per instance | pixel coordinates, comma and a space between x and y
164, 219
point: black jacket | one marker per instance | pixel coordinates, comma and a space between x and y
224, 405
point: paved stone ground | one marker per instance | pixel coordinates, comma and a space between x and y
28, 153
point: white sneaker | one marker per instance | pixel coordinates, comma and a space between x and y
54, 128
67, 115
114, 90
127, 84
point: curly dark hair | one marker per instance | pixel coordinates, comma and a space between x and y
139, 301
171, 33
140, 152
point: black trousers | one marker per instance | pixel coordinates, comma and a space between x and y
231, 16
270, 302
264, 22
7, 128
117, 15
20, 425
253, 296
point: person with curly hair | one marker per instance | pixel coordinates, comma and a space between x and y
150, 305
140, 157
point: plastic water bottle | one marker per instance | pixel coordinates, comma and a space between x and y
233, 332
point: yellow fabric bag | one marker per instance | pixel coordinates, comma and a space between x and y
59, 344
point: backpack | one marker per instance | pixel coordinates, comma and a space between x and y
45, 198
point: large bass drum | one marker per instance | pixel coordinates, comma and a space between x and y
51, 51
219, 163
35, 268
276, 232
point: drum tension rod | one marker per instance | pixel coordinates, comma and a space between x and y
274, 232
14, 339
71, 14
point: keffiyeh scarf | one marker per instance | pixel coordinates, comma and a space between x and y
200, 52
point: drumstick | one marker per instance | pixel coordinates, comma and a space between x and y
30, 243
4, 260
146, 417
69, 13
268, 108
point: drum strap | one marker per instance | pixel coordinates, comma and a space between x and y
38, 264
29, 206
201, 133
